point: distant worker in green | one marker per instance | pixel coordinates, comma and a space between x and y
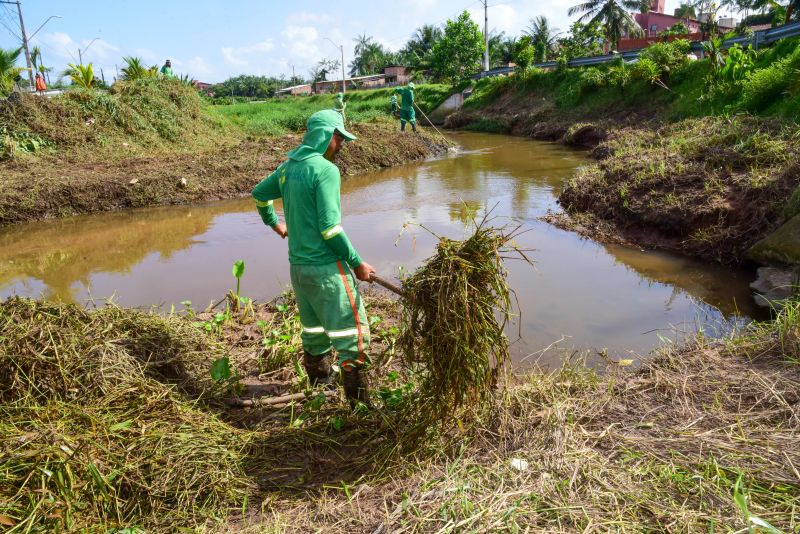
339, 104
166, 71
394, 107
324, 265
407, 113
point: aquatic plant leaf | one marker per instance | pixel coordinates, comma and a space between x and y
221, 369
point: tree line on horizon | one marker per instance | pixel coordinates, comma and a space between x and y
453, 51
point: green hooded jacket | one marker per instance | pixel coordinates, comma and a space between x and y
407, 94
310, 188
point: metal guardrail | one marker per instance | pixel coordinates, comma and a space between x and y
758, 39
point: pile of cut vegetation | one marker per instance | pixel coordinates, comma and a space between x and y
147, 111
97, 427
455, 310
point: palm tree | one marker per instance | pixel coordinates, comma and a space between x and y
543, 38
135, 69
369, 56
686, 11
418, 49
613, 16
81, 75
8, 69
793, 6
502, 49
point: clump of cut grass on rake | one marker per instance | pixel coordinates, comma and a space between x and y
454, 314
99, 424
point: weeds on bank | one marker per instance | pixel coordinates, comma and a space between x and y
281, 116
714, 185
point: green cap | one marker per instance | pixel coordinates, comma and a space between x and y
320, 128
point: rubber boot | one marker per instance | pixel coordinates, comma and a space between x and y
355, 385
318, 369
402, 126
414, 127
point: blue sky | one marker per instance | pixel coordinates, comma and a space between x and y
214, 40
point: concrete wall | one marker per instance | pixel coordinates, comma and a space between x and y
451, 105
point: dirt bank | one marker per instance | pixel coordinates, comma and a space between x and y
51, 186
709, 187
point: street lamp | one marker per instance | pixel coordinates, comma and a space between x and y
340, 47
80, 54
42, 25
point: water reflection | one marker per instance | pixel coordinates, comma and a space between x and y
583, 293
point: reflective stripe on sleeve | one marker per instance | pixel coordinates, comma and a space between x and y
263, 204
332, 232
313, 329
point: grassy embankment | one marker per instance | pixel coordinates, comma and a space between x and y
88, 151
705, 170
108, 420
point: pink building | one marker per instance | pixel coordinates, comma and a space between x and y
656, 21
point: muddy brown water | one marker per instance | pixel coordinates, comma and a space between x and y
580, 296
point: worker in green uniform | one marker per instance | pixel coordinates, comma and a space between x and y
339, 104
324, 265
166, 71
394, 107
407, 113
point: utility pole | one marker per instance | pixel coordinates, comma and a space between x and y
24, 41
344, 84
340, 47
486, 34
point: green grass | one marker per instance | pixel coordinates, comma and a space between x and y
771, 89
285, 115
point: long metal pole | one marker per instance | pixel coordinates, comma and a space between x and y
486, 34
24, 43
344, 88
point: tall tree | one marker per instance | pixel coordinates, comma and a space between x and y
502, 50
686, 11
424, 39
583, 40
8, 69
320, 72
369, 57
543, 38
613, 16
458, 53
793, 9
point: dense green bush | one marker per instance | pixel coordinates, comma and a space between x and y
763, 86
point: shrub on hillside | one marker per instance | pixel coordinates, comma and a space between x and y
147, 111
659, 60
764, 86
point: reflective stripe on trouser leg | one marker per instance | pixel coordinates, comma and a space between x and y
332, 297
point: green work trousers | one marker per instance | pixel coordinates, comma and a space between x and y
408, 115
331, 312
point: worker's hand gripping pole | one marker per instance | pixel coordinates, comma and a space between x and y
374, 278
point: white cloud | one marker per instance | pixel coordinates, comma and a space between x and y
305, 17
147, 55
242, 56
198, 68
231, 58
421, 6
300, 42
